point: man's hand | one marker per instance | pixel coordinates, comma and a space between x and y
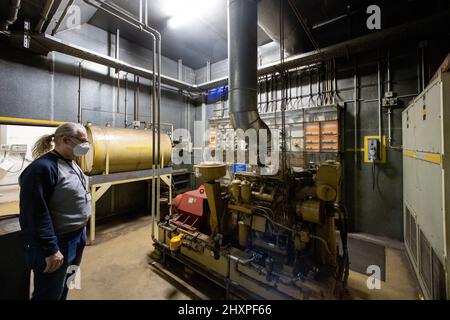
54, 262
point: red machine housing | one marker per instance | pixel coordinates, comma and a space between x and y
192, 209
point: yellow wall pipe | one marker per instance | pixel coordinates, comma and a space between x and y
29, 122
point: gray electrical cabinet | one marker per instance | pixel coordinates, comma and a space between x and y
426, 186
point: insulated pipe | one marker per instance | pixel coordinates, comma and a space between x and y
243, 57
13, 12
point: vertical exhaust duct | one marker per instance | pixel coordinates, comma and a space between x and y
243, 57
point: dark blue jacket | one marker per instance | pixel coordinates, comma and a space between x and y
37, 183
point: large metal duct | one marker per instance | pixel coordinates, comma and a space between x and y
269, 21
122, 149
243, 57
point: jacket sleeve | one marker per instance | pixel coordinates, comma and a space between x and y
37, 184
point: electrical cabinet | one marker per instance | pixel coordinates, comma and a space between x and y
426, 186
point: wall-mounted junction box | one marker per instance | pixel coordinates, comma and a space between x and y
375, 149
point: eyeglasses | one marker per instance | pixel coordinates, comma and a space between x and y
80, 140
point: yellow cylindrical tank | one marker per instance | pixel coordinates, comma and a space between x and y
123, 149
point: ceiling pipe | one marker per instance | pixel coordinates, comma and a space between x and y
12, 17
243, 58
44, 15
344, 49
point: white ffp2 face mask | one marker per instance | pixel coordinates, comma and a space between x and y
81, 149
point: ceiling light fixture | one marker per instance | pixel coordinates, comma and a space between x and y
183, 12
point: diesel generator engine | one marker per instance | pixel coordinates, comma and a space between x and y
273, 237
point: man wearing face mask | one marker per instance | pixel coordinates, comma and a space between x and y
54, 209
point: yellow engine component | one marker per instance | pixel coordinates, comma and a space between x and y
210, 171
122, 150
246, 191
328, 181
310, 211
175, 242
236, 189
243, 230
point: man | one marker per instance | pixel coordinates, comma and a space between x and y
54, 209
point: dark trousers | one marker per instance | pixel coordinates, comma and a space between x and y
53, 286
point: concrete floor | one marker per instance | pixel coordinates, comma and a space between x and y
117, 267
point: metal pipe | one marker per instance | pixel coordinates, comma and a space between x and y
44, 15
180, 69
126, 100
353, 46
118, 93
61, 18
243, 56
159, 130
137, 99
389, 113
80, 119
117, 56
13, 13
419, 83
117, 49
356, 118
423, 66
324, 23
208, 70
389, 70
380, 110
146, 13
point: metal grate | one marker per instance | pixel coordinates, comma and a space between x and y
425, 266
413, 231
407, 227
439, 289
